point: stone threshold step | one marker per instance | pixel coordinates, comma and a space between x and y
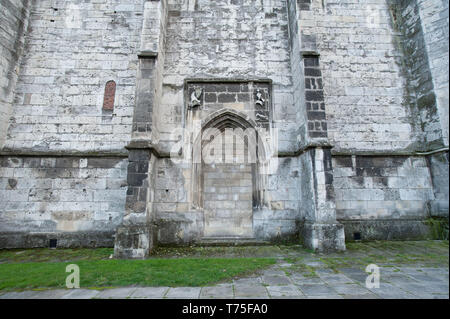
230, 241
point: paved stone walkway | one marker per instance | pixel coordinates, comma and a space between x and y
396, 283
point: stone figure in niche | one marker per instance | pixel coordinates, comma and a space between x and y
259, 98
261, 117
195, 98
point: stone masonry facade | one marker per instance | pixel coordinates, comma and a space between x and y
111, 110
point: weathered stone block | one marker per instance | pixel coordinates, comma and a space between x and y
134, 242
323, 237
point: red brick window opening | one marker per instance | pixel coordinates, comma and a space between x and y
108, 98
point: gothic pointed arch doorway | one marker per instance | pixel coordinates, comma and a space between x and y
227, 180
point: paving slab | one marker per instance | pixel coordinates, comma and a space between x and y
308, 281
317, 290
324, 271
276, 280
355, 274
289, 297
425, 295
424, 288
409, 270
216, 292
436, 271
325, 296
149, 292
52, 294
440, 276
436, 287
398, 278
389, 291
274, 272
439, 296
425, 277
389, 270
184, 292
284, 291
296, 277
367, 295
350, 289
336, 279
115, 293
315, 263
29, 294
250, 291
249, 280
81, 294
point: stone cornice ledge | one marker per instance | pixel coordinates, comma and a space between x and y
57, 153
307, 52
147, 54
306, 147
400, 152
146, 145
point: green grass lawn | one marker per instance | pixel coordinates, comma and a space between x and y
114, 273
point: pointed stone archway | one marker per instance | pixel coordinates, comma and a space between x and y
226, 174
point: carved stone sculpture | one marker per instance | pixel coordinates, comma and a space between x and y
259, 98
195, 98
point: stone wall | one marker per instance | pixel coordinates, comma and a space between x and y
230, 40
298, 80
420, 97
439, 166
394, 190
434, 15
72, 49
76, 199
363, 81
379, 91
283, 215
177, 219
14, 16
228, 202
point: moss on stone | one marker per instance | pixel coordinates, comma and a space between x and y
438, 228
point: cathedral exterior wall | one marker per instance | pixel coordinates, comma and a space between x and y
356, 93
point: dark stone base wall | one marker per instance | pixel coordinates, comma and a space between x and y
439, 166
90, 239
187, 228
385, 229
135, 241
179, 229
323, 238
